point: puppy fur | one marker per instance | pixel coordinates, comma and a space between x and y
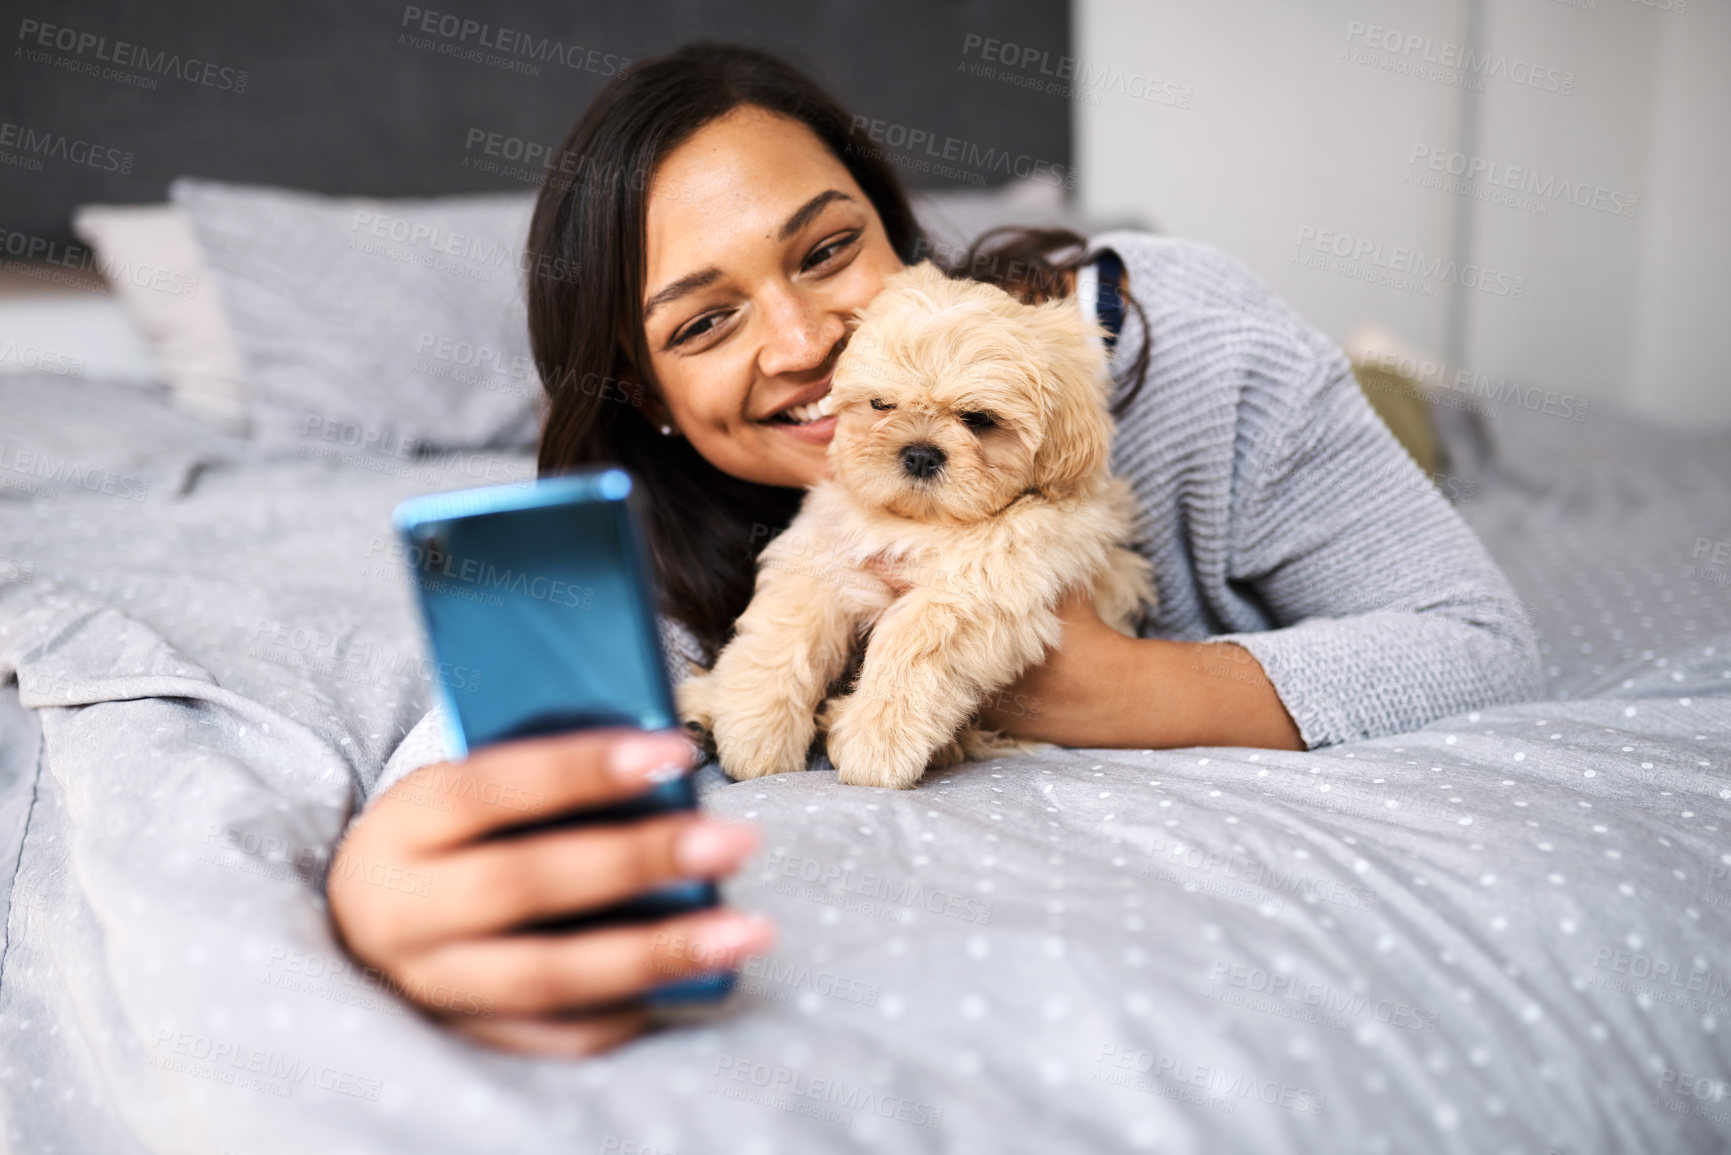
972, 488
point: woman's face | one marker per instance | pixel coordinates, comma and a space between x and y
760, 247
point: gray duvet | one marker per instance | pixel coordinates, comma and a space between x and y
1507, 932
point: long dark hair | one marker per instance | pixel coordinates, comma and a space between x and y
585, 261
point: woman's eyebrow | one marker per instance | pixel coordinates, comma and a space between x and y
691, 282
802, 215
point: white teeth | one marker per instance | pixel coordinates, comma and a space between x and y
822, 407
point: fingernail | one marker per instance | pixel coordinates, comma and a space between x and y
737, 930
650, 759
707, 848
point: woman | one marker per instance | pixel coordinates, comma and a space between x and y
1314, 587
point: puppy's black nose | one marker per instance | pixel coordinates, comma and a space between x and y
922, 460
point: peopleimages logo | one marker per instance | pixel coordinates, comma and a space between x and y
866, 893
1073, 77
1398, 264
42, 252
1658, 970
124, 54
1256, 873
459, 33
931, 147
1519, 179
1385, 46
1228, 1087
798, 1093
255, 1068
42, 360
464, 254
1331, 1003
1460, 388
34, 142
40, 473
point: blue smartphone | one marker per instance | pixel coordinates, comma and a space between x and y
543, 597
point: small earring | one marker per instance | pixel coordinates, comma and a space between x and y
667, 431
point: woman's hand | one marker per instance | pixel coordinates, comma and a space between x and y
1100, 688
1062, 699
419, 891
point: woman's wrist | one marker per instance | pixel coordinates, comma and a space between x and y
1204, 694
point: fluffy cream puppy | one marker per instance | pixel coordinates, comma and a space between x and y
971, 490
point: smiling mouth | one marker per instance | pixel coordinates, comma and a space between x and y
824, 406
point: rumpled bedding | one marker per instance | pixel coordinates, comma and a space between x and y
1506, 932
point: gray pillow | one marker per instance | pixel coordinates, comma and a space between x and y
373, 325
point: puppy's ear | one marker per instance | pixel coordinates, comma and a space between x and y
1078, 429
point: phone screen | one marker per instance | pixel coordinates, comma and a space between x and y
538, 604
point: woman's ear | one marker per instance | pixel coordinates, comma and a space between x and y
635, 384
1077, 444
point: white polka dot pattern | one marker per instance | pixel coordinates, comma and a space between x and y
1503, 931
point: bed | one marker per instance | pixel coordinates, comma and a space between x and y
1505, 932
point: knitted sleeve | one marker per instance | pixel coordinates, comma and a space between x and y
1391, 613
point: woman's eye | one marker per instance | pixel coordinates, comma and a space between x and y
828, 251
974, 419
697, 328
876, 404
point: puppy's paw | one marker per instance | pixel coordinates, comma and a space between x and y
694, 697
747, 750
947, 755
754, 740
826, 713
981, 745
869, 745
749, 735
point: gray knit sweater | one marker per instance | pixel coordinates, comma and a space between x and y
1280, 514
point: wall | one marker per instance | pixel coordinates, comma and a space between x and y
1316, 124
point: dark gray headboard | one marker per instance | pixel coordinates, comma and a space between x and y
357, 97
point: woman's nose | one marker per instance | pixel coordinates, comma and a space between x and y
801, 336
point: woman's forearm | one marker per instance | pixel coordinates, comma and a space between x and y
1149, 692
1103, 688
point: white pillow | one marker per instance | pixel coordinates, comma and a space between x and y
148, 255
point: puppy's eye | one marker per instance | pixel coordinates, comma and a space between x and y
876, 404
975, 419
